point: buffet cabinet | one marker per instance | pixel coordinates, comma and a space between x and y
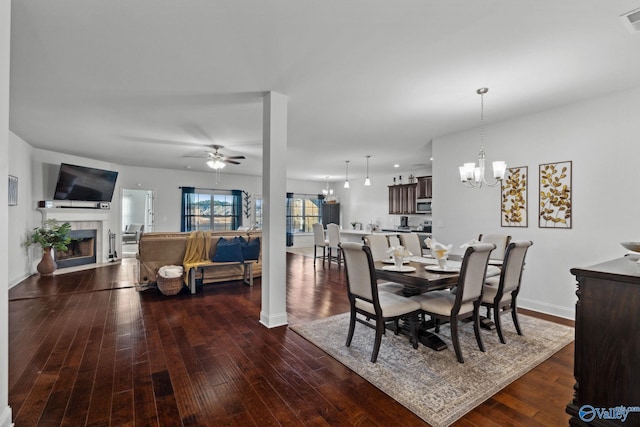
607, 344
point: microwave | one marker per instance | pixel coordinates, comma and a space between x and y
423, 206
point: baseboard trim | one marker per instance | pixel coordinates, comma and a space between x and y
5, 417
554, 310
15, 282
273, 321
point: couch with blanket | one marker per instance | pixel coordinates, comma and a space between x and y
157, 249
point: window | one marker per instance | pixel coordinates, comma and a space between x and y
216, 210
303, 211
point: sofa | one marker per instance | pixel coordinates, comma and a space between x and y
157, 249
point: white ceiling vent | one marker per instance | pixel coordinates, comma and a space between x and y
631, 20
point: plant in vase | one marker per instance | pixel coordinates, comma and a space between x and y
51, 236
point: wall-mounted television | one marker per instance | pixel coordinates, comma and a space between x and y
85, 184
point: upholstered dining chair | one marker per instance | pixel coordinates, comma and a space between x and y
379, 245
412, 243
333, 236
500, 240
365, 300
319, 241
394, 240
500, 292
497, 255
465, 303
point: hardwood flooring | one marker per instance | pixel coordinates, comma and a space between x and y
89, 348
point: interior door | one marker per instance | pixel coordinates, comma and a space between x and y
137, 208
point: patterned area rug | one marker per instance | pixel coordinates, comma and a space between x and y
433, 384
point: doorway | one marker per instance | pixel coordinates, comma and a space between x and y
137, 209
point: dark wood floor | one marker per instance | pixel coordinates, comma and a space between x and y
88, 348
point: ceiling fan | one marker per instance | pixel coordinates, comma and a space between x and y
215, 160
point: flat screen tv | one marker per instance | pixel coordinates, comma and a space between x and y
85, 184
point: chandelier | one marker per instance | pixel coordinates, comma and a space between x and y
472, 175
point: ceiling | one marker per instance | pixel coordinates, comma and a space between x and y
145, 83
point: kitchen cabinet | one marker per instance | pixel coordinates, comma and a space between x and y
330, 214
402, 199
424, 187
607, 348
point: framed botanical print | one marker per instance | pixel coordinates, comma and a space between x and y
555, 195
514, 198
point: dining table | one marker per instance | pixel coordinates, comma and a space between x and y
421, 274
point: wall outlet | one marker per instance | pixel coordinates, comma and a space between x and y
439, 223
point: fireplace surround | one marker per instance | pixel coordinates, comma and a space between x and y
85, 219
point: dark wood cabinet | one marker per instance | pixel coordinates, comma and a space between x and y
402, 198
607, 346
424, 187
330, 213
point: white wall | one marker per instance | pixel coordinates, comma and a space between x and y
5, 31
20, 216
600, 138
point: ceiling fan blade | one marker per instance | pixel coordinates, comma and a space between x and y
233, 162
235, 157
198, 157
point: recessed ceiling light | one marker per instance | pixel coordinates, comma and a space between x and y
396, 165
431, 159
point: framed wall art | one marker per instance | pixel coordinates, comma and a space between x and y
555, 195
13, 190
514, 198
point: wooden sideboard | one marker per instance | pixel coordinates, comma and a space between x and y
607, 345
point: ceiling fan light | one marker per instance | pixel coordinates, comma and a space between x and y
215, 163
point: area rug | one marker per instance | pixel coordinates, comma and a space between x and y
432, 384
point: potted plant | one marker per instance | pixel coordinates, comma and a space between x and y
51, 236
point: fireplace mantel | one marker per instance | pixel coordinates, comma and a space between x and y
83, 219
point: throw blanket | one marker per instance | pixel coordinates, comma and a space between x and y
197, 251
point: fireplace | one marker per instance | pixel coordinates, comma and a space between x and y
85, 219
81, 250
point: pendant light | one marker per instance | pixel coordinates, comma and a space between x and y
367, 181
472, 175
346, 179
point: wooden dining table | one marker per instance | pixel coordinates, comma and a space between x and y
417, 282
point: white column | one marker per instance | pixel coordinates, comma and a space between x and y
274, 187
5, 35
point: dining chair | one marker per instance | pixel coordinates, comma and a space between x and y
394, 240
379, 245
500, 293
366, 300
412, 243
500, 240
319, 241
465, 303
333, 236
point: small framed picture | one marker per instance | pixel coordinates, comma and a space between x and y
555, 210
13, 190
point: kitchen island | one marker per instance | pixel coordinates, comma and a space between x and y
357, 235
